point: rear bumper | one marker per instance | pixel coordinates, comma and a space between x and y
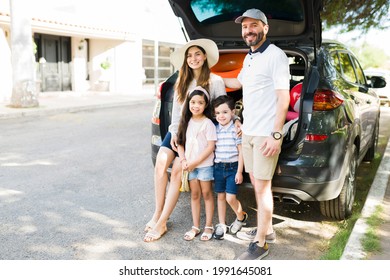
287, 188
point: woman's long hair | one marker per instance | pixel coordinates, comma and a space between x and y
186, 115
186, 75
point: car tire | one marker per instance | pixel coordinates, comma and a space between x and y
370, 155
340, 208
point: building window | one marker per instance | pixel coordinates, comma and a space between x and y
165, 69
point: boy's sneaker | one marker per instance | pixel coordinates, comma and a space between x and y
255, 252
237, 224
220, 231
250, 236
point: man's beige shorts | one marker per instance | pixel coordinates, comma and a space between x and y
255, 162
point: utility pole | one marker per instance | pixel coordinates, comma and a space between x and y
25, 88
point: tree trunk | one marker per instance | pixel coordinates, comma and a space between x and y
25, 87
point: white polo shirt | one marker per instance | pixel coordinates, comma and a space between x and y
262, 73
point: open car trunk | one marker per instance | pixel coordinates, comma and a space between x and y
229, 66
292, 22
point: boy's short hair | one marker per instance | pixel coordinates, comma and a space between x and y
222, 100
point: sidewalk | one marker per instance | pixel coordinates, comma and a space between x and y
61, 102
51, 103
379, 194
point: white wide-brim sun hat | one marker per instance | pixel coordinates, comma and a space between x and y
211, 49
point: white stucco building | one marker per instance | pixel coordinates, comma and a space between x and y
75, 38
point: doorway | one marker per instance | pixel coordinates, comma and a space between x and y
53, 54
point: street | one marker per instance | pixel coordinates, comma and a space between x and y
79, 186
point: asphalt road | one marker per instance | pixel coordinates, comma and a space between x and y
80, 186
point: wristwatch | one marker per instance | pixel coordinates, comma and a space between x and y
276, 135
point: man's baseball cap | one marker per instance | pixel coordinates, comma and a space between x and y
252, 13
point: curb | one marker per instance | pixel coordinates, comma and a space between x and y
39, 111
353, 250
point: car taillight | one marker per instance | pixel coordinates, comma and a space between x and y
316, 137
155, 120
326, 100
158, 93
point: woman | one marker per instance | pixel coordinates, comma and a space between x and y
194, 60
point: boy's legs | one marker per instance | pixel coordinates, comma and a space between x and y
220, 189
221, 205
235, 205
231, 197
232, 190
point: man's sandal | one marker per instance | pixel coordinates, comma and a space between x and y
206, 236
191, 234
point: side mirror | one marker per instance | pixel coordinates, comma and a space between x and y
377, 82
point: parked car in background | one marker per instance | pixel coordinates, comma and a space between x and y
381, 85
333, 120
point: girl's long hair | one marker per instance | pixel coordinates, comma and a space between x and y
186, 75
186, 115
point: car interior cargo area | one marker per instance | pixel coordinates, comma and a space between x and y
229, 66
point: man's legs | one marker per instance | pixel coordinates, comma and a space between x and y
265, 206
259, 166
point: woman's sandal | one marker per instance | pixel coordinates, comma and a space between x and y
149, 226
153, 235
191, 234
206, 236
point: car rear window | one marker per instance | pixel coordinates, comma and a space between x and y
214, 11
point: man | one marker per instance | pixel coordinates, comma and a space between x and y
264, 79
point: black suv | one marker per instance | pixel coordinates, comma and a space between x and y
334, 125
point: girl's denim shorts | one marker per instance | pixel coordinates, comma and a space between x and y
202, 174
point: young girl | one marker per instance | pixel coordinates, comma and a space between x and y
196, 139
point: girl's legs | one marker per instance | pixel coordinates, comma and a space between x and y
170, 201
209, 207
196, 194
164, 158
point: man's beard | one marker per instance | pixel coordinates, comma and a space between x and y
259, 37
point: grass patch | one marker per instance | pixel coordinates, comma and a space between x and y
365, 176
370, 241
337, 244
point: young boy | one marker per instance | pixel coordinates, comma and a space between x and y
228, 167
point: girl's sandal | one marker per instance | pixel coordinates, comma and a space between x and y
206, 236
191, 234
